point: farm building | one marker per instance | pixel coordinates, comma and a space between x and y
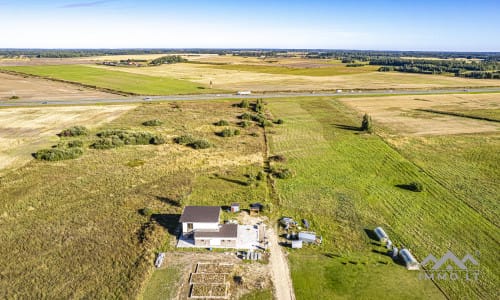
410, 261
381, 235
201, 223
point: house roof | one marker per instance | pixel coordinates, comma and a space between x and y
225, 231
202, 214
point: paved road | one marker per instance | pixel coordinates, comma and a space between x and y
135, 99
280, 272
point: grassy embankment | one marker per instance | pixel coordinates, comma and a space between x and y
346, 182
73, 229
115, 80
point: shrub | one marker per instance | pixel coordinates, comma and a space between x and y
74, 131
259, 106
278, 158
154, 122
261, 175
56, 154
366, 124
266, 123
184, 139
282, 173
221, 123
107, 143
228, 132
244, 104
200, 144
157, 140
245, 124
279, 121
146, 211
246, 116
415, 186
74, 144
259, 118
14, 97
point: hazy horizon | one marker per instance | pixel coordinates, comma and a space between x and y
441, 25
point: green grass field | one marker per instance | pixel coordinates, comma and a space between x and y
347, 182
115, 80
323, 71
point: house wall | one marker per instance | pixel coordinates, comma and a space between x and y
201, 226
215, 242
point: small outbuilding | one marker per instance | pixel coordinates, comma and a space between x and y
235, 207
410, 261
256, 208
381, 235
297, 244
309, 237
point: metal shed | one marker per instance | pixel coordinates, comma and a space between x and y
297, 244
410, 261
381, 235
307, 237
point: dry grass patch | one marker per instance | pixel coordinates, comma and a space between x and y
400, 113
25, 130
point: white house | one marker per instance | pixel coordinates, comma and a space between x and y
201, 224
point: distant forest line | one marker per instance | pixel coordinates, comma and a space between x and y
461, 64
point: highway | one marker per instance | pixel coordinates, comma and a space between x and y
135, 99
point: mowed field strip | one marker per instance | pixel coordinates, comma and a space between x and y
404, 115
115, 79
347, 181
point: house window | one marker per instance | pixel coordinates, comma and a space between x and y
190, 226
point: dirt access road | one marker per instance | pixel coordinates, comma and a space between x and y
280, 272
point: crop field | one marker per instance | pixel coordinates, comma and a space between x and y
77, 228
239, 77
27, 88
406, 115
115, 80
347, 182
25, 130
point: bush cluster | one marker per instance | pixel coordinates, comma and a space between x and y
246, 116
228, 132
245, 124
56, 154
74, 131
222, 123
244, 104
116, 138
154, 122
259, 106
282, 173
279, 121
192, 142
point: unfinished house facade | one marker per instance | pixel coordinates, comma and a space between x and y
201, 225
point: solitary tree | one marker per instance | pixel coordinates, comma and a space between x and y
366, 124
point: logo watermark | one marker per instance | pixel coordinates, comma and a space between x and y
450, 267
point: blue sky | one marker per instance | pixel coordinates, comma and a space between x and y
377, 24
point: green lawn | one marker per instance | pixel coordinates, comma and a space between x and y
323, 71
115, 80
163, 284
346, 182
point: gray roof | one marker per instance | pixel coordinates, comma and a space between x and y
225, 231
202, 214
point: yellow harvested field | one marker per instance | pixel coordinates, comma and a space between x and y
262, 82
27, 88
399, 113
25, 130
